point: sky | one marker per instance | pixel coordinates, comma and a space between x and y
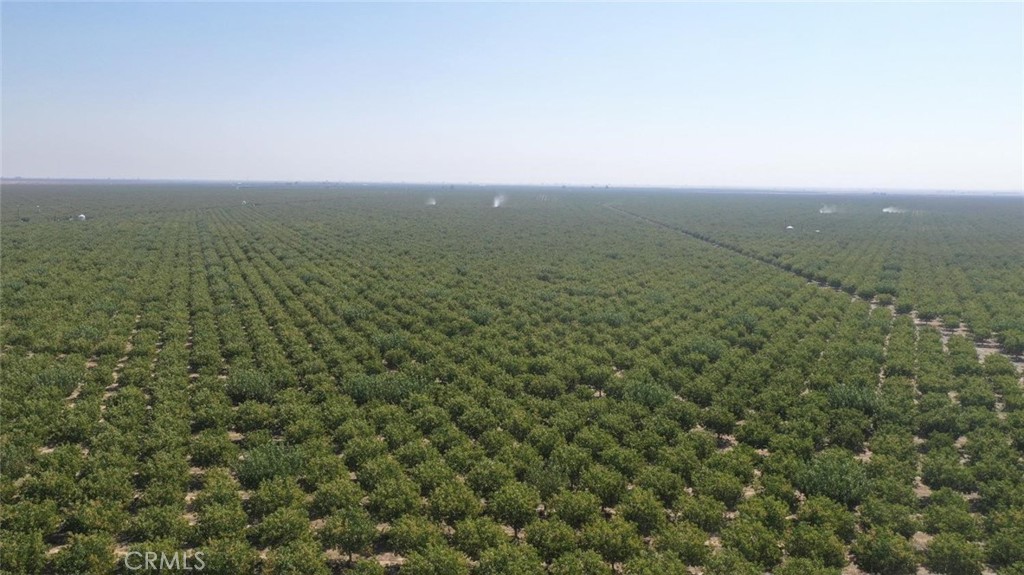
924, 96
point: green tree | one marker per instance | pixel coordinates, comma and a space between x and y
580, 562
835, 474
487, 476
803, 566
298, 557
724, 487
266, 462
827, 514
515, 505
86, 555
604, 482
703, 511
754, 541
349, 530
213, 447
883, 552
221, 520
282, 526
817, 544
952, 554
1006, 545
393, 498
730, 562
337, 494
510, 560
274, 494
366, 567
229, 555
475, 535
452, 501
653, 564
552, 537
685, 541
414, 533
22, 552
616, 540
644, 509
575, 507
436, 560
950, 516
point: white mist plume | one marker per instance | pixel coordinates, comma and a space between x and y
893, 210
499, 200
432, 202
827, 209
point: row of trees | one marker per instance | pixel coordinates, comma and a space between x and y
953, 259
305, 389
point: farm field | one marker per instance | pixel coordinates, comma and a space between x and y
952, 259
316, 378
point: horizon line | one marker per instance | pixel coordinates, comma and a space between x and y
787, 189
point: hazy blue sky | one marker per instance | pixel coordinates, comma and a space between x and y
780, 95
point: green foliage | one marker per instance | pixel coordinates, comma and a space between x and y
510, 560
827, 514
350, 530
731, 562
951, 553
767, 511
274, 494
414, 533
299, 557
515, 505
367, 567
395, 497
22, 552
221, 520
390, 388
576, 508
877, 512
211, 448
552, 538
616, 540
686, 542
703, 511
882, 552
476, 535
250, 385
436, 560
559, 377
643, 509
801, 566
757, 543
1006, 546
580, 562
835, 474
948, 512
159, 522
720, 485
337, 494
653, 564
608, 484
85, 555
453, 501
817, 544
229, 555
266, 462
282, 526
